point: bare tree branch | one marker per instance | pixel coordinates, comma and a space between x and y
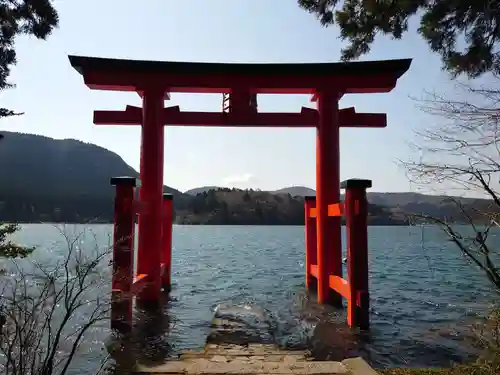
49, 308
462, 152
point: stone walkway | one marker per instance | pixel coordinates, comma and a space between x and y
254, 359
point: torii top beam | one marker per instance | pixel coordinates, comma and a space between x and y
296, 78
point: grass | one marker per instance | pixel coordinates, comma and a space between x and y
418, 371
478, 368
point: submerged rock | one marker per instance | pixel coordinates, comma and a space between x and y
240, 325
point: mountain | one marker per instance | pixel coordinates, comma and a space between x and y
49, 180
200, 190
383, 199
294, 191
253, 207
408, 203
59, 180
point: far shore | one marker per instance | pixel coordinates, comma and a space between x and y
183, 224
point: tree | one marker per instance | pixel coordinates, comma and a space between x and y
246, 196
443, 25
48, 308
462, 152
7, 248
21, 17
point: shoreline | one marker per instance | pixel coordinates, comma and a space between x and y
194, 225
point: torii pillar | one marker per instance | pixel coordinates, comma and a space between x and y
329, 241
151, 192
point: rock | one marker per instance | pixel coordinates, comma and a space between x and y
240, 325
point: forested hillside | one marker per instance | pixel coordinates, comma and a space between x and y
48, 180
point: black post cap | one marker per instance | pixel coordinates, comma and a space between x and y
356, 183
168, 197
125, 180
310, 198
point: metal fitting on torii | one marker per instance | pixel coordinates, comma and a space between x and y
239, 101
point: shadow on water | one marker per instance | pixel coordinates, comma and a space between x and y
424, 295
147, 344
302, 324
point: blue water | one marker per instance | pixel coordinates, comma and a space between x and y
421, 290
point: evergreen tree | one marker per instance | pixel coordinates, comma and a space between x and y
444, 24
9, 249
21, 17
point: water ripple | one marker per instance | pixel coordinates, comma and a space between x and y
420, 289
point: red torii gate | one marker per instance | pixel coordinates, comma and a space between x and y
239, 84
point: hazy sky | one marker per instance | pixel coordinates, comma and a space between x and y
57, 103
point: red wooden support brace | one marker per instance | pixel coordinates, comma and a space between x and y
356, 207
311, 243
166, 255
123, 252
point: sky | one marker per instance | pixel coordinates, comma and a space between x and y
57, 104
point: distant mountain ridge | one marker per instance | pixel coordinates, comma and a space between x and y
393, 199
49, 180
402, 205
46, 179
71, 161
254, 207
201, 189
294, 191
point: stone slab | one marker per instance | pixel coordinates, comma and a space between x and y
241, 367
263, 357
254, 360
251, 349
358, 366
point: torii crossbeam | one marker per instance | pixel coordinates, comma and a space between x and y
307, 118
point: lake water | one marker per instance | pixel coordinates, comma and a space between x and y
421, 290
